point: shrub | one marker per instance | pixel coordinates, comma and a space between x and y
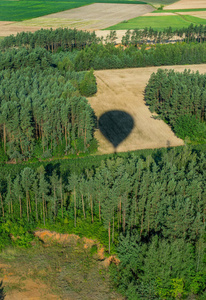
88, 86
189, 126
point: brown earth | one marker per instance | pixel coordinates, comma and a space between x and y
124, 90
187, 4
91, 17
60, 268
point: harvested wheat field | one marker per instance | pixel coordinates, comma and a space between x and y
187, 4
198, 14
123, 90
90, 17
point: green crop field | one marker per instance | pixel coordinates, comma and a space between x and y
28, 9
158, 22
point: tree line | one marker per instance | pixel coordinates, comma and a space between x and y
180, 100
156, 204
99, 56
63, 38
193, 33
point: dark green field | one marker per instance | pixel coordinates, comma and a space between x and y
25, 9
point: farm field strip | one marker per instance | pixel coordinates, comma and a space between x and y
91, 17
158, 22
187, 4
124, 90
28, 9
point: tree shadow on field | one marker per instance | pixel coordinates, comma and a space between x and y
2, 293
116, 125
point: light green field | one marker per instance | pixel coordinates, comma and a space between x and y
158, 22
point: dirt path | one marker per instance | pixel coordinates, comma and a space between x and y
91, 17
124, 90
187, 4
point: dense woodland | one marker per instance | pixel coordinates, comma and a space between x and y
157, 203
67, 39
148, 207
42, 110
180, 100
98, 56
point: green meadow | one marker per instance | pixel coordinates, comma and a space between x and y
28, 9
158, 22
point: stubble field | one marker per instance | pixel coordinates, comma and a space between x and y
124, 90
187, 4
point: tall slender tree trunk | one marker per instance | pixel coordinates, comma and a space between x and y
99, 210
113, 229
27, 205
75, 208
62, 204
66, 138
36, 208
83, 206
20, 208
43, 208
54, 204
4, 138
29, 202
109, 233
2, 205
91, 203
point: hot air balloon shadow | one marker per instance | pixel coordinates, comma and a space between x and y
116, 125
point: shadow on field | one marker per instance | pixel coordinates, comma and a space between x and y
116, 125
2, 293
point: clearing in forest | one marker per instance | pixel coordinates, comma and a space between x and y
64, 269
124, 90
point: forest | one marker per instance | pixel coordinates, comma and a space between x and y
156, 203
42, 109
180, 100
147, 207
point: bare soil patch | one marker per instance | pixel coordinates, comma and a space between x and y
60, 268
124, 90
187, 4
91, 17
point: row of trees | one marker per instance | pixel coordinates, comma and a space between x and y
64, 38
158, 201
149, 35
69, 39
109, 57
180, 100
42, 112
